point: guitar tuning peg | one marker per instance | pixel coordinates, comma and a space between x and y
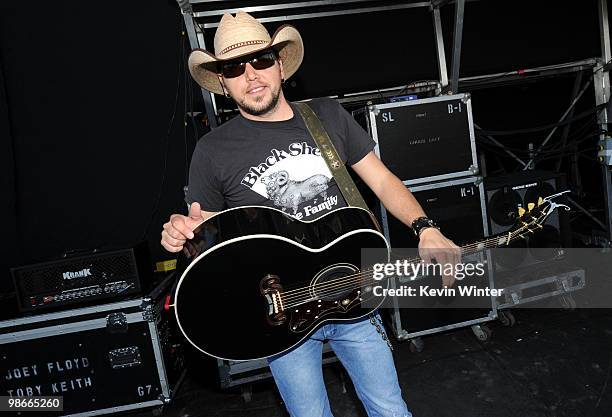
530, 206
540, 201
521, 211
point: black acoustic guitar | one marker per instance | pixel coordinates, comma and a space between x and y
259, 281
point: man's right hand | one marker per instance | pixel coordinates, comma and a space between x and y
180, 228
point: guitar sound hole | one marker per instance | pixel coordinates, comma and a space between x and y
335, 282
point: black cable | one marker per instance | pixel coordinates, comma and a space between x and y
570, 144
189, 91
167, 140
547, 151
499, 150
409, 85
495, 149
572, 141
555, 156
185, 79
556, 151
590, 158
189, 88
544, 127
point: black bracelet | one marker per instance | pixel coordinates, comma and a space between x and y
422, 223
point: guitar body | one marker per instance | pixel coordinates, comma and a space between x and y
260, 282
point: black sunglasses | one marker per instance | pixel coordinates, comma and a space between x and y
260, 61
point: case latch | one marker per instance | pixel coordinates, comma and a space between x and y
124, 357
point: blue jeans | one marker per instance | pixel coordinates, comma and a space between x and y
367, 359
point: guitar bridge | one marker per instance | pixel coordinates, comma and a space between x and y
275, 304
271, 289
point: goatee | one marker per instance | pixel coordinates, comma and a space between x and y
263, 108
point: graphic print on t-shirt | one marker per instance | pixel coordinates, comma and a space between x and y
289, 193
295, 180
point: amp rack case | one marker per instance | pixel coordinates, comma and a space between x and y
102, 359
459, 207
424, 140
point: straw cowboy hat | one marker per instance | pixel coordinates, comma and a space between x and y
243, 35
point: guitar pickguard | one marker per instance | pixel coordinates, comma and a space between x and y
305, 316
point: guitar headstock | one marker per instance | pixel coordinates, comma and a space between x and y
531, 219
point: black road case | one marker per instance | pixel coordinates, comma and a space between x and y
458, 206
102, 359
424, 140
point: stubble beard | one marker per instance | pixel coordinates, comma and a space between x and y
261, 107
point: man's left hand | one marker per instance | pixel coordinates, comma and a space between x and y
434, 247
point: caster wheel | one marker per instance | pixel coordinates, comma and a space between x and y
482, 333
416, 345
506, 318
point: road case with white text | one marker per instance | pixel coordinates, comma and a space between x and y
103, 359
424, 140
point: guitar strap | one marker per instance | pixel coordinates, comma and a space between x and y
343, 179
330, 155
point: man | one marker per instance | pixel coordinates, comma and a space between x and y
265, 156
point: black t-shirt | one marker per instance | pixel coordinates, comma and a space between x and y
276, 164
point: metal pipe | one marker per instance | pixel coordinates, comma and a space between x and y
575, 65
498, 143
602, 95
551, 70
272, 7
588, 213
331, 13
457, 38
566, 129
196, 40
440, 47
604, 31
554, 129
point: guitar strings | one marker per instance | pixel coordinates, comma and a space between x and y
296, 297
354, 284
339, 283
465, 250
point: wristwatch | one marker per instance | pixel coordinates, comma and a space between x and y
422, 223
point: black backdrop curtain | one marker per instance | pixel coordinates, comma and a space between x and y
96, 152
8, 243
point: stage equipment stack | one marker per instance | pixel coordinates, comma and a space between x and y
430, 145
103, 352
532, 269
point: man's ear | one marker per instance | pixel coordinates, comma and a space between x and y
282, 71
223, 85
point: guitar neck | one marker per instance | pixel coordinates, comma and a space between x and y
489, 243
469, 248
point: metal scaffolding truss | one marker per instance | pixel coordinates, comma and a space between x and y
601, 79
202, 15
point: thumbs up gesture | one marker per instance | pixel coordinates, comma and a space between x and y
180, 228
